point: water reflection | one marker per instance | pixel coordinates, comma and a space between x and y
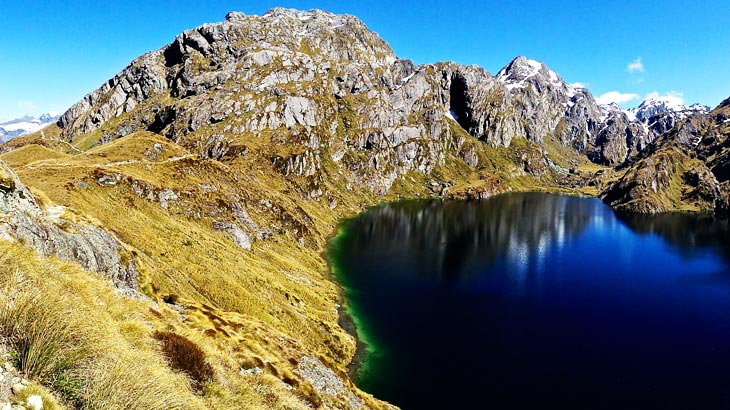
687, 233
443, 238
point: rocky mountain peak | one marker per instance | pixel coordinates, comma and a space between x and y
660, 114
303, 15
241, 54
521, 69
656, 106
327, 85
49, 117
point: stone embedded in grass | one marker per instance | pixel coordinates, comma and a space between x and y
18, 387
107, 180
34, 403
237, 235
326, 381
252, 371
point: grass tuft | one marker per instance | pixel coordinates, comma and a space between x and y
46, 341
186, 356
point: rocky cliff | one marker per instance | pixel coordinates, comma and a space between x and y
329, 89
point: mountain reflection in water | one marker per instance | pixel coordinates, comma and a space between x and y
451, 235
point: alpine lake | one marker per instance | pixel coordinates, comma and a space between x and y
534, 300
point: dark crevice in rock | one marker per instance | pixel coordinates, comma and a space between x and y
163, 118
459, 102
722, 171
173, 54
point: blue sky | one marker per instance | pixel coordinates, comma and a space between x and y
53, 53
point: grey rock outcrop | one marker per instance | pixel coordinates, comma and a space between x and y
327, 383
46, 230
661, 115
331, 89
619, 137
549, 106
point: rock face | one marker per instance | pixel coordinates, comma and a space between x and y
661, 115
333, 91
619, 138
548, 106
46, 230
623, 134
317, 90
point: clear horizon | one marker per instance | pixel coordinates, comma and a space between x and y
622, 52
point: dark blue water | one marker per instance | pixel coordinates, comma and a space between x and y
529, 301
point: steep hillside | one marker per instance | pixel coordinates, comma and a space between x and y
685, 169
218, 166
253, 284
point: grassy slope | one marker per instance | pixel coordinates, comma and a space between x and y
266, 307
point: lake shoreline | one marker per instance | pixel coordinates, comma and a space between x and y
348, 319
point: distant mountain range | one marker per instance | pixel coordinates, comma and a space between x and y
25, 125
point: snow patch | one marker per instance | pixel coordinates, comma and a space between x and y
512, 86
535, 65
405, 80
570, 91
631, 114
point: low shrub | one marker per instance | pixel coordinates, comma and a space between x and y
184, 355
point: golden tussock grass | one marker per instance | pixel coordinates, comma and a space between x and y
54, 320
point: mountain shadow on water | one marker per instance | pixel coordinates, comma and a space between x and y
455, 232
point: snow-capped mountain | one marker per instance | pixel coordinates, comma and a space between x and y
660, 115
655, 106
25, 125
